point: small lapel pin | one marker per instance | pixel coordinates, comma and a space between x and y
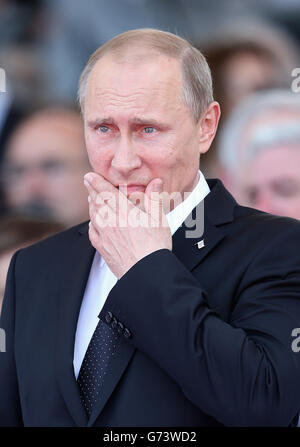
200, 244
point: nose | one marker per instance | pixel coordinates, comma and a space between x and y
125, 158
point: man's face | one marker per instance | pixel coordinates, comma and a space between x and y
44, 167
271, 182
137, 128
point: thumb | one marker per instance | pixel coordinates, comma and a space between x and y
156, 185
153, 199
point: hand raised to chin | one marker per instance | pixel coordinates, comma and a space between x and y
122, 232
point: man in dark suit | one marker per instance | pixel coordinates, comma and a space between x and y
193, 329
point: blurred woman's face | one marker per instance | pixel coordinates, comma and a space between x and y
244, 73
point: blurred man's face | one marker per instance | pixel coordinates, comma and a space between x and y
45, 163
271, 182
137, 128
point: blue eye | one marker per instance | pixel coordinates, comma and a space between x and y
149, 129
103, 129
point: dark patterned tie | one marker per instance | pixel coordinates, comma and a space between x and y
94, 365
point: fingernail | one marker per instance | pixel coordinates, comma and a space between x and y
88, 178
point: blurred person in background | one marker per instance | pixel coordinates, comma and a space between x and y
21, 29
24, 92
17, 232
25, 77
259, 152
248, 56
245, 57
43, 166
23, 63
19, 20
10, 116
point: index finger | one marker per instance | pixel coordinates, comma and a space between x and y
98, 183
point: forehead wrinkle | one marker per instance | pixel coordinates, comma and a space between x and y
138, 99
112, 95
111, 92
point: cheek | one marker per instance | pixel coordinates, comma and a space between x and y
99, 158
168, 152
187, 149
290, 204
172, 159
160, 162
93, 150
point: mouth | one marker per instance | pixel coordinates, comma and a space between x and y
132, 188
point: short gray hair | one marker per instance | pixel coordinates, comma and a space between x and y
230, 152
197, 91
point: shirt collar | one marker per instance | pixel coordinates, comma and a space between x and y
178, 215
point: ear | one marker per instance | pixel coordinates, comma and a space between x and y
208, 124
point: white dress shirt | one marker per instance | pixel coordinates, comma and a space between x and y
101, 279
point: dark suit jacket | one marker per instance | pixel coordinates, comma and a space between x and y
210, 328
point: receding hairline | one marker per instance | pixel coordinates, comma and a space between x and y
132, 55
124, 49
161, 41
129, 46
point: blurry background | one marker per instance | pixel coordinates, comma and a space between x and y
252, 47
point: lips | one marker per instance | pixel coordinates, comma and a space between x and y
133, 188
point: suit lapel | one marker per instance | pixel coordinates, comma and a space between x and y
218, 210
73, 280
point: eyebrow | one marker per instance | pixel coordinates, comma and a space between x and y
286, 181
98, 121
147, 120
135, 120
